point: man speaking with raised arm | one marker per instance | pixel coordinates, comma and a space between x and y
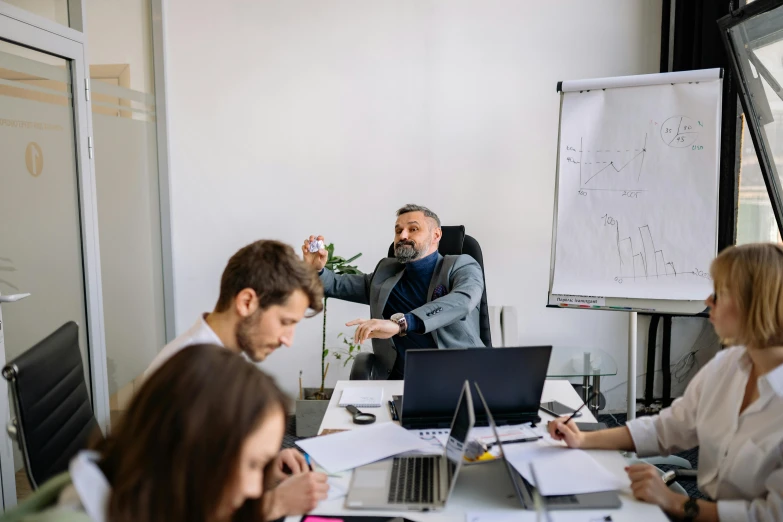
418, 298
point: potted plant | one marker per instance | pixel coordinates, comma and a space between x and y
312, 403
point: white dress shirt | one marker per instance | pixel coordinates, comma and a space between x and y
89, 490
740, 455
199, 333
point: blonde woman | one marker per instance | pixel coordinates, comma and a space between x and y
732, 409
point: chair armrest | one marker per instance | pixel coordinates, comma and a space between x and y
362, 369
680, 475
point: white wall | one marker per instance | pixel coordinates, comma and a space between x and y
294, 118
120, 32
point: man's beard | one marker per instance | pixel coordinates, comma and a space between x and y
406, 251
246, 332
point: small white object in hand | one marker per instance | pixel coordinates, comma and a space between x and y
316, 245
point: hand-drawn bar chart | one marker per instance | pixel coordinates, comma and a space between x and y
639, 259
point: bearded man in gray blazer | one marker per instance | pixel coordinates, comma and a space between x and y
417, 299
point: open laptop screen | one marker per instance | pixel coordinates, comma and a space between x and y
458, 436
523, 494
511, 379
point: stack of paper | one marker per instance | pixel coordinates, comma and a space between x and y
561, 471
351, 449
522, 516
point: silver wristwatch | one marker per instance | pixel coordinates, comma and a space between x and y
401, 322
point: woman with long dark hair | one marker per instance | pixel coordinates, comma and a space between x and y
197, 444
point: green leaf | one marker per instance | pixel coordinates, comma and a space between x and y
326, 352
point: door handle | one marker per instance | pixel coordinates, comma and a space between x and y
12, 298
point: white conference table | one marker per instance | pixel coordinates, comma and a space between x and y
483, 488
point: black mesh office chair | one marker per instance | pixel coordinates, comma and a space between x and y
54, 418
453, 242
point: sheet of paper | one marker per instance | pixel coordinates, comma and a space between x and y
506, 433
560, 470
638, 191
362, 397
338, 483
436, 438
571, 472
524, 516
435, 441
351, 449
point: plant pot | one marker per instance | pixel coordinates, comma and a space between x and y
310, 412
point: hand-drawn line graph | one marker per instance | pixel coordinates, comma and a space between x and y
614, 169
646, 262
679, 132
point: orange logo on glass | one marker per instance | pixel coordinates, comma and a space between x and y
33, 158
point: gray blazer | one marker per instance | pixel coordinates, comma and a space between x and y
453, 319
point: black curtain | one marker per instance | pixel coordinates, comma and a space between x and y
697, 44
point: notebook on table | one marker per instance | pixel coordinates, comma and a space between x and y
362, 397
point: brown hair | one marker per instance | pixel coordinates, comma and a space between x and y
753, 275
177, 448
274, 272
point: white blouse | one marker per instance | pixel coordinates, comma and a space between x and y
740, 455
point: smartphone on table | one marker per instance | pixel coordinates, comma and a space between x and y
558, 409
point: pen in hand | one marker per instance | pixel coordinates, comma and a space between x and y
589, 400
307, 459
310, 465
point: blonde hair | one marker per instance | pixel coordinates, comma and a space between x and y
753, 275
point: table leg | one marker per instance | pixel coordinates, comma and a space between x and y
597, 397
586, 389
631, 395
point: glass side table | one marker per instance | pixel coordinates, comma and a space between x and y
588, 363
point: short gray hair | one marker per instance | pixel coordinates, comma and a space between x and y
410, 207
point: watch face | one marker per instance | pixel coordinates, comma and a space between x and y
691, 509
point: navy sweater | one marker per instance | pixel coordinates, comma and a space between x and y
409, 293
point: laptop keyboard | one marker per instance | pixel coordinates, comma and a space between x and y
414, 480
561, 500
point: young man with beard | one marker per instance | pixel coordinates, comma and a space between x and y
418, 298
265, 291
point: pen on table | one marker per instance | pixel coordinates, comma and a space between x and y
513, 441
393, 411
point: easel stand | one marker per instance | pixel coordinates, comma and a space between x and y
631, 396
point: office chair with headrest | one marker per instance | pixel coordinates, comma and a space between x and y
453, 242
54, 418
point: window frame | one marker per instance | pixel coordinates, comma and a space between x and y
766, 163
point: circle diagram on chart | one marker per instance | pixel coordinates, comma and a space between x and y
679, 132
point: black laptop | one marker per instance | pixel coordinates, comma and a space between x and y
512, 380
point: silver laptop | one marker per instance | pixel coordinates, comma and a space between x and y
526, 493
417, 482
